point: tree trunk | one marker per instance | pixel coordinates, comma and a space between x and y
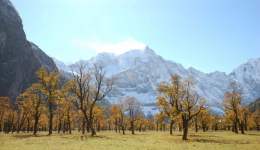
83, 126
123, 129
59, 127
69, 128
245, 124
242, 127
157, 127
88, 127
132, 127
51, 117
35, 126
185, 131
180, 127
64, 128
69, 123
204, 128
235, 127
171, 126
28, 126
216, 127
196, 126
93, 132
98, 127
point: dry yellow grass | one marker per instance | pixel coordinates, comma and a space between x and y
149, 140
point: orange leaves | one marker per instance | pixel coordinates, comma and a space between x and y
4, 104
49, 83
178, 97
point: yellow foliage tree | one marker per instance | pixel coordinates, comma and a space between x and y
31, 104
181, 100
169, 94
133, 106
49, 86
233, 105
4, 106
256, 119
204, 119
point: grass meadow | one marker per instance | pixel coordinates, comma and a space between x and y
148, 140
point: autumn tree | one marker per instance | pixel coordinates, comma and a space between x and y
229, 120
150, 124
32, 105
66, 109
49, 86
10, 116
117, 114
255, 117
141, 123
4, 106
243, 116
159, 120
133, 106
186, 102
169, 94
233, 104
114, 115
215, 121
122, 122
90, 86
204, 119
196, 122
99, 116
22, 115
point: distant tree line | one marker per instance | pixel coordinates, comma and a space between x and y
48, 106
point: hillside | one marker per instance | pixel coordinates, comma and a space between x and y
254, 105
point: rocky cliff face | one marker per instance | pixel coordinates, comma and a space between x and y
19, 59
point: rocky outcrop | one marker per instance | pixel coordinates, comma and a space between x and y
19, 59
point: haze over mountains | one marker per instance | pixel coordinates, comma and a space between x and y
139, 73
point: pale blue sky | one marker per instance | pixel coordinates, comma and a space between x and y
206, 34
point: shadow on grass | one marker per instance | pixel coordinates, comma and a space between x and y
196, 135
253, 134
209, 140
28, 136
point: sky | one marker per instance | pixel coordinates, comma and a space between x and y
208, 35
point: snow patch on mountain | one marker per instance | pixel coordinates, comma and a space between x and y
139, 73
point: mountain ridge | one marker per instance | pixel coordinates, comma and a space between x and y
140, 72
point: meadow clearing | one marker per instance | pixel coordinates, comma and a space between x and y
149, 140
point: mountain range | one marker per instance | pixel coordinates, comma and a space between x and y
139, 73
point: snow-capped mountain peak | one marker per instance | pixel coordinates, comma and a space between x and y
140, 71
